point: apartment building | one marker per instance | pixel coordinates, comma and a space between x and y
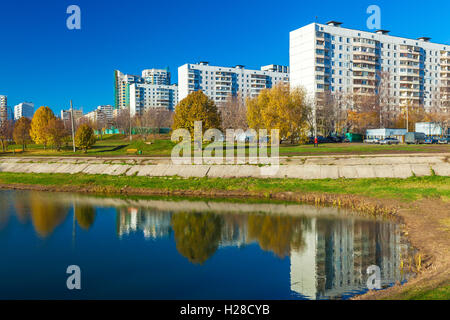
24, 109
96, 116
150, 90
220, 82
124, 81
108, 111
3, 101
145, 95
156, 76
5, 111
330, 58
66, 115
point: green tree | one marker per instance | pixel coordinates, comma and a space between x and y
196, 107
84, 137
197, 235
39, 124
21, 132
280, 108
56, 132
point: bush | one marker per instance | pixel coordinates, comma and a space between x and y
85, 137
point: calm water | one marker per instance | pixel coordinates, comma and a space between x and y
159, 249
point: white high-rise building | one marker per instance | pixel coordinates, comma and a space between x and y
24, 109
5, 111
3, 101
156, 76
220, 82
144, 96
329, 58
159, 78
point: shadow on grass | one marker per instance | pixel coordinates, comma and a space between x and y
114, 148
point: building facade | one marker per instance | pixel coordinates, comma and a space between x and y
156, 76
220, 82
66, 115
145, 95
108, 111
152, 83
329, 58
5, 110
24, 109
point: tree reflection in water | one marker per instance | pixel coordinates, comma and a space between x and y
46, 214
197, 235
278, 234
85, 215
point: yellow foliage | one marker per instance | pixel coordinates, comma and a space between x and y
196, 107
361, 121
39, 124
279, 108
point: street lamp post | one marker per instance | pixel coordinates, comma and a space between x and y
73, 127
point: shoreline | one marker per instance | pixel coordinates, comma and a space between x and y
423, 231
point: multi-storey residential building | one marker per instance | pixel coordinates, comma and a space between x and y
24, 109
156, 76
124, 81
329, 58
3, 101
96, 116
108, 111
5, 111
144, 96
220, 82
152, 89
66, 115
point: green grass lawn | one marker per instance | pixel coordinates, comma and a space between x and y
117, 145
410, 189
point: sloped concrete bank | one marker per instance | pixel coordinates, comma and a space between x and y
301, 168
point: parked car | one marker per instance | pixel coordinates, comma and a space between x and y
414, 137
334, 139
443, 140
387, 141
431, 140
372, 141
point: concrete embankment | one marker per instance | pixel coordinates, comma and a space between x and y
333, 167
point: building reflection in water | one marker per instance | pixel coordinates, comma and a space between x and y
153, 224
338, 253
328, 256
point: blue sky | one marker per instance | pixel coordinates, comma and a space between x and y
44, 62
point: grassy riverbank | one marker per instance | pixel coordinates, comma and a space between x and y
119, 146
414, 188
423, 203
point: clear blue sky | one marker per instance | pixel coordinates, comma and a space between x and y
44, 62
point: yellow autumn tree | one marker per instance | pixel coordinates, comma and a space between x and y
361, 121
39, 125
196, 107
280, 108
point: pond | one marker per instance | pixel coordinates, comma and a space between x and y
149, 248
